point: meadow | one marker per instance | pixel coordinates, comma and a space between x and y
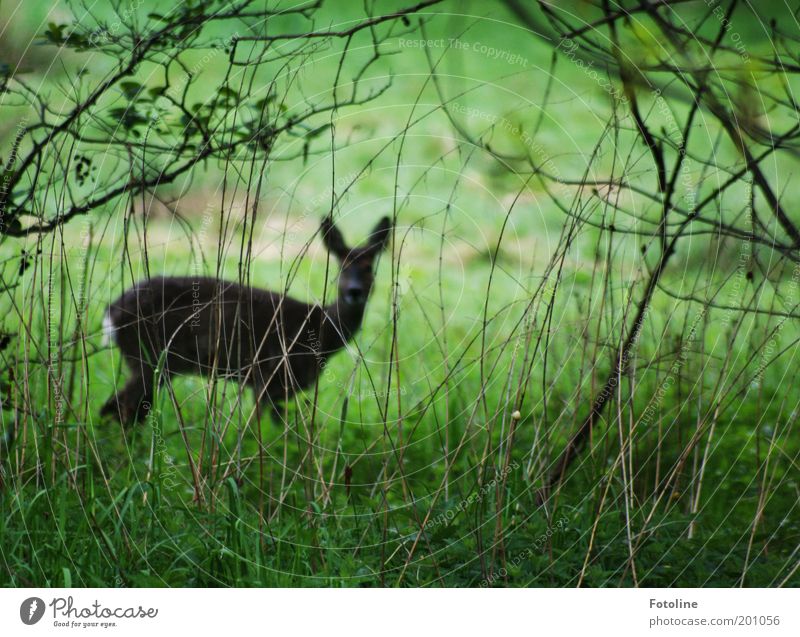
525, 237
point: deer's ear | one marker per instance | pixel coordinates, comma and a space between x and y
380, 235
333, 239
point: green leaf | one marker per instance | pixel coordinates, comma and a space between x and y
55, 33
228, 93
317, 131
131, 89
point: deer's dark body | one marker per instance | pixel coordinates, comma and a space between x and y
275, 344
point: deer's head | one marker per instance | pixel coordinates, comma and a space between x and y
356, 274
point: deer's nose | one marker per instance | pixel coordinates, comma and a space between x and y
354, 294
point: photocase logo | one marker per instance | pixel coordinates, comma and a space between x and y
31, 610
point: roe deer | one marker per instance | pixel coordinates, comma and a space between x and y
274, 344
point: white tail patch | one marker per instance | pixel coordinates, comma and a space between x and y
109, 329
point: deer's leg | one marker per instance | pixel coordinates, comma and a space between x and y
275, 409
132, 403
266, 404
